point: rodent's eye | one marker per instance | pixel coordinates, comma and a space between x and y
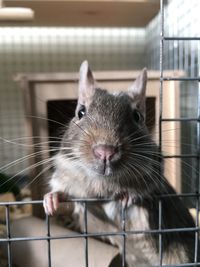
137, 116
81, 112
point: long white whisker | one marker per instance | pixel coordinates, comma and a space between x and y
27, 157
40, 173
26, 169
42, 118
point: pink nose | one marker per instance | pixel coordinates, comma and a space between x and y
105, 152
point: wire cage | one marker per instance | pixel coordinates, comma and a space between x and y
175, 51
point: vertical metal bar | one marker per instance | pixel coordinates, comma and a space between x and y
48, 240
176, 54
181, 55
8, 235
198, 127
168, 65
197, 232
161, 71
192, 71
160, 116
86, 232
198, 173
160, 228
186, 61
123, 226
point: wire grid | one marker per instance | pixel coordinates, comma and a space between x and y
181, 52
123, 233
194, 76
164, 39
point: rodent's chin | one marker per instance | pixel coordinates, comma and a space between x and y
101, 171
107, 173
104, 170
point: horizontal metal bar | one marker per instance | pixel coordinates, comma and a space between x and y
180, 195
162, 231
84, 235
180, 79
180, 265
181, 38
11, 203
92, 200
67, 200
182, 156
42, 238
181, 119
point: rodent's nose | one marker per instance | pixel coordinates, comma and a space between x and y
105, 152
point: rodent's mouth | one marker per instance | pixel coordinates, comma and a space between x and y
103, 169
106, 172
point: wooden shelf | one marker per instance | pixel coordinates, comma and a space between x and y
91, 13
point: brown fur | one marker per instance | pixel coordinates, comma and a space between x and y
135, 171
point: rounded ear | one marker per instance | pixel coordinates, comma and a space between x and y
137, 91
86, 84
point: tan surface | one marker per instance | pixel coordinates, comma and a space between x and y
65, 252
90, 13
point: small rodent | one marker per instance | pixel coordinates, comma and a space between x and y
107, 152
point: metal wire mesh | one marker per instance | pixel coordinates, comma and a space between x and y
9, 239
164, 39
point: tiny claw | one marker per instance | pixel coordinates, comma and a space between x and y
51, 202
126, 201
125, 198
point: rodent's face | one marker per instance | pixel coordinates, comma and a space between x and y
102, 135
108, 139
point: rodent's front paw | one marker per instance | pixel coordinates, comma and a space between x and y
51, 202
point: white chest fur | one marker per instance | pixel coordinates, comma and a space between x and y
139, 252
136, 217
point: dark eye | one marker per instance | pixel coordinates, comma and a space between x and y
137, 116
81, 112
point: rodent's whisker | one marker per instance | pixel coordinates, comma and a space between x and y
136, 167
42, 162
148, 170
80, 127
46, 119
39, 174
25, 158
35, 145
32, 138
127, 171
144, 157
158, 155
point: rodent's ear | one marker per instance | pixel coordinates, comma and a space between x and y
138, 89
86, 84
